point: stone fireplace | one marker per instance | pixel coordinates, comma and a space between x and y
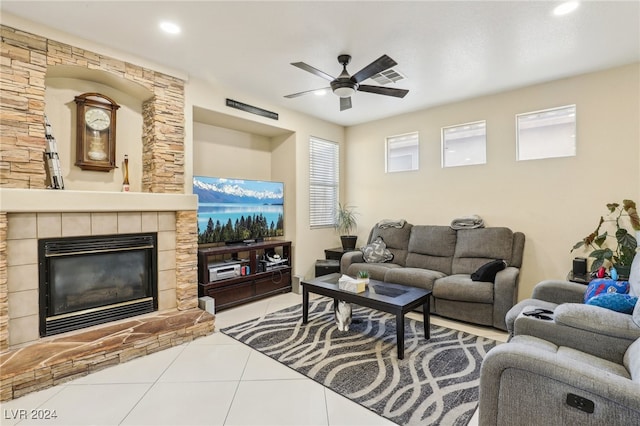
32, 218
29, 213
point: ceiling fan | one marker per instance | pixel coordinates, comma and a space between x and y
346, 85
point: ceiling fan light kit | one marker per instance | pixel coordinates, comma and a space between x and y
347, 85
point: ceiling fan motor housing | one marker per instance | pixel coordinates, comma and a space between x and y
343, 86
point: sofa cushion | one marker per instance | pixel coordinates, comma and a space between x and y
431, 247
376, 270
396, 239
376, 252
475, 247
415, 277
460, 287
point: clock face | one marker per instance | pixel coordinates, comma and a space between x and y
97, 119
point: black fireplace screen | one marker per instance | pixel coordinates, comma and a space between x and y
86, 281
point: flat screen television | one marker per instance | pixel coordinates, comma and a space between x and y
238, 210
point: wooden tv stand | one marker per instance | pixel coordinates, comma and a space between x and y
264, 278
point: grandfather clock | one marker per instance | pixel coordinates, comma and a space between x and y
96, 132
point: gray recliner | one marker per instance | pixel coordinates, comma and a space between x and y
591, 329
530, 381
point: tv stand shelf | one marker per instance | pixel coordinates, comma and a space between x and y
264, 278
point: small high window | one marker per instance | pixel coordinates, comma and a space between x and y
547, 134
402, 152
464, 144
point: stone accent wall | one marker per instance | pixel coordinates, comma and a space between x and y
24, 64
186, 259
25, 58
4, 286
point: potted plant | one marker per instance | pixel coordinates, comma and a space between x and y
345, 224
364, 276
622, 253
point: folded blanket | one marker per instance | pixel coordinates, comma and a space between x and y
386, 223
467, 222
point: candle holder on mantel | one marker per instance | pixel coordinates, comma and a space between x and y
125, 181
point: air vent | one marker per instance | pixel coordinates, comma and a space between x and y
388, 76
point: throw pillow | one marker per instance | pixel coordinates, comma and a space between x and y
636, 313
615, 301
605, 285
376, 252
487, 272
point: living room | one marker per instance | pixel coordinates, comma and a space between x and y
552, 201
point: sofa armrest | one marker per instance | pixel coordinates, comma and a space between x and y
348, 258
557, 291
597, 320
591, 329
520, 378
505, 294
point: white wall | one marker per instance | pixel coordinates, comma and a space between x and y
555, 202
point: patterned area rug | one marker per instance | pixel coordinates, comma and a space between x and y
436, 383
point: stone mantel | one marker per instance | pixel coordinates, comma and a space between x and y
14, 200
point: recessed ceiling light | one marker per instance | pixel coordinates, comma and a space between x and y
170, 27
566, 7
320, 92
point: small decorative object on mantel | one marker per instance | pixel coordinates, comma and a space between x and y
53, 161
96, 132
125, 181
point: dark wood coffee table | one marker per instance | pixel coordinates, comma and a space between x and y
395, 299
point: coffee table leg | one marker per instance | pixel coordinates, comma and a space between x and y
400, 334
426, 320
305, 305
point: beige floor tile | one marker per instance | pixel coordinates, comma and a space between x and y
278, 403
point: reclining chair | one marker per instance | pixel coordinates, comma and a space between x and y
530, 381
556, 313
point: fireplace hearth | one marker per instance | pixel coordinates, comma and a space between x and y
86, 281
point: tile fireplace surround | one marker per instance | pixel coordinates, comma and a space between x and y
30, 363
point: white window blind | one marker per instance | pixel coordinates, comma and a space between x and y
323, 182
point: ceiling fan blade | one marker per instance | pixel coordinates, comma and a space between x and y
295, 95
313, 70
379, 90
382, 63
345, 103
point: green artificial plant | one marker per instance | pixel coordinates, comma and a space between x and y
345, 219
621, 254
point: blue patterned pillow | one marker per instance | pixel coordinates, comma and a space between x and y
615, 301
605, 285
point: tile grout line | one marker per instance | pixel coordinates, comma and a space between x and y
153, 384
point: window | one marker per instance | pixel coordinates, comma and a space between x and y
323, 182
547, 134
464, 144
402, 153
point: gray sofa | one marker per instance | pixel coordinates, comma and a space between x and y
442, 260
530, 381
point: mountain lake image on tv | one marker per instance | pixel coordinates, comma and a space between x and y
235, 210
